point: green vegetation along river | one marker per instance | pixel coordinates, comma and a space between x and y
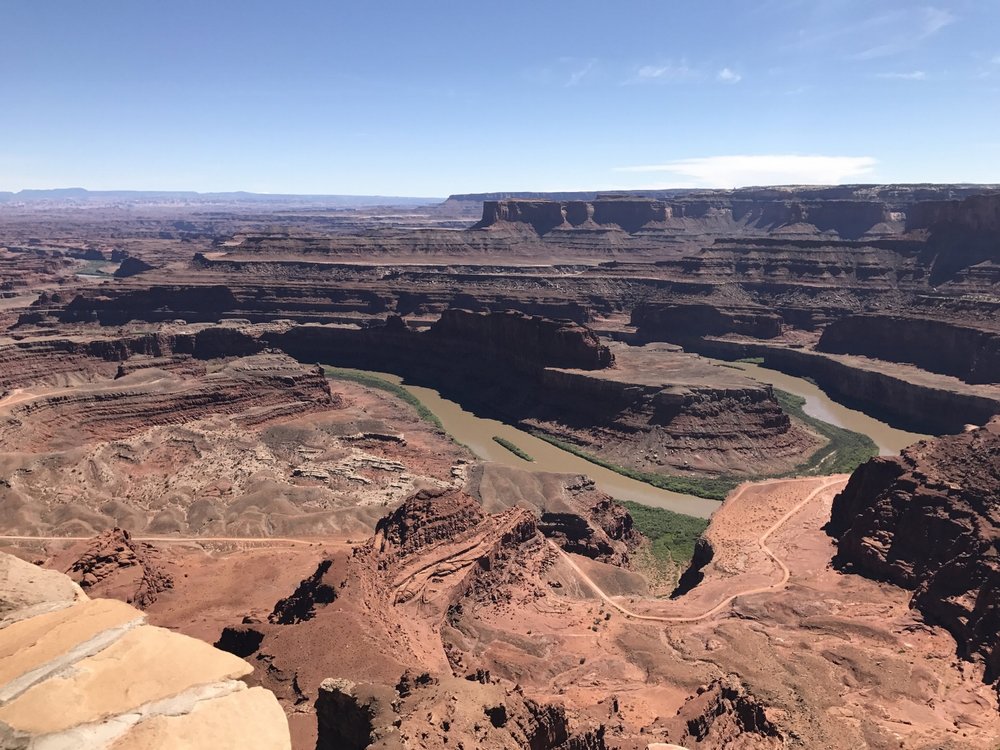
480, 435
889, 440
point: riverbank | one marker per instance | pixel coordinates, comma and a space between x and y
691, 496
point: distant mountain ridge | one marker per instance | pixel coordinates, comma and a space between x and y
75, 195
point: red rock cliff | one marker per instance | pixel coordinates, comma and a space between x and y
929, 520
525, 339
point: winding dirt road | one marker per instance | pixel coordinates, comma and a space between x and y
180, 539
762, 540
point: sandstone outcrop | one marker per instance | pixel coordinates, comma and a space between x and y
117, 566
89, 673
433, 714
603, 532
724, 714
927, 521
426, 519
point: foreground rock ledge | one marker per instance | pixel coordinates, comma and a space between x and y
90, 673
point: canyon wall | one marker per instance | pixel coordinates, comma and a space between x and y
844, 218
531, 341
849, 212
43, 361
927, 520
680, 323
968, 352
897, 397
979, 213
654, 410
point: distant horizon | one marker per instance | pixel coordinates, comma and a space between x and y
403, 196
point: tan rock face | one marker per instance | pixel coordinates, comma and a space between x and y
249, 718
26, 647
94, 690
27, 590
89, 673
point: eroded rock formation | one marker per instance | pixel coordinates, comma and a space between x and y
81, 672
113, 562
514, 338
434, 714
927, 520
953, 347
724, 714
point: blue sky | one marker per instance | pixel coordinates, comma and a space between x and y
437, 97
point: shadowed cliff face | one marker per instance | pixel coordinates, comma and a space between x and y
556, 377
847, 218
929, 520
516, 337
681, 323
964, 241
968, 352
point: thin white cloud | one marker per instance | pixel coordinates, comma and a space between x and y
913, 75
728, 75
765, 169
904, 30
580, 73
664, 73
843, 27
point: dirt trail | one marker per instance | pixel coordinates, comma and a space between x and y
180, 539
762, 540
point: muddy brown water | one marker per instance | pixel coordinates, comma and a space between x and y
477, 433
889, 440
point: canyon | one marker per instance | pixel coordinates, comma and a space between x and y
211, 411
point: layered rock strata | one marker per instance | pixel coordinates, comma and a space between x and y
645, 408
117, 682
968, 352
398, 600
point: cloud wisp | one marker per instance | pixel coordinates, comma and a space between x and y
680, 72
664, 73
577, 75
763, 169
913, 75
728, 75
905, 30
843, 27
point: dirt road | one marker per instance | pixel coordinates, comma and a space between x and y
762, 540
